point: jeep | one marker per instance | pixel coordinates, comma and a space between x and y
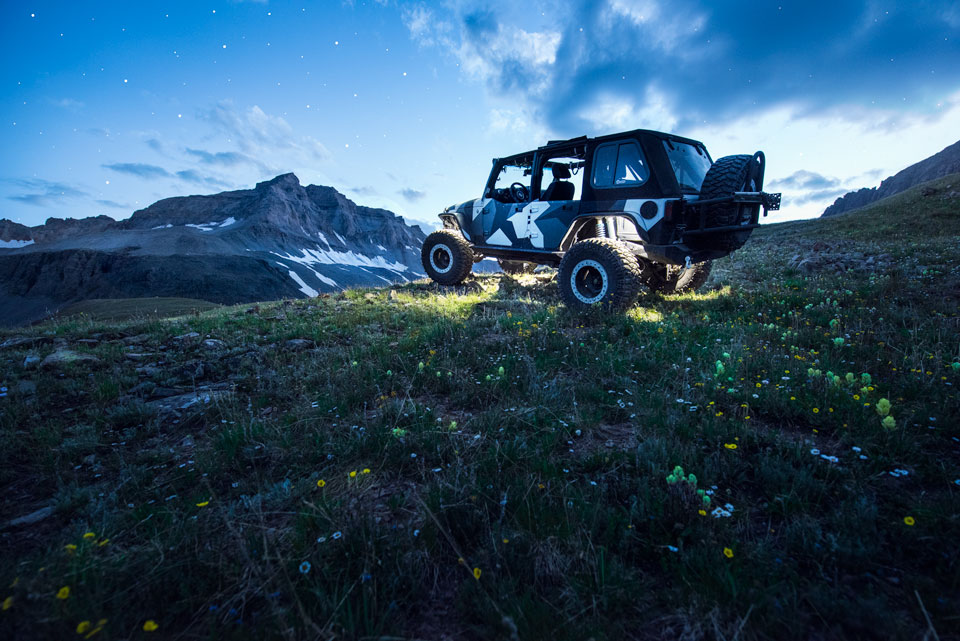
613, 213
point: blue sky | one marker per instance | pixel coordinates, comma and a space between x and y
108, 107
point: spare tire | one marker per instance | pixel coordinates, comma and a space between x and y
725, 177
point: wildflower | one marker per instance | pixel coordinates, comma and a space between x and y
865, 378
727, 552
889, 423
849, 377
956, 366
702, 512
321, 483
305, 567
353, 364
336, 535
82, 627
476, 573
89, 536
500, 371
856, 397
70, 548
389, 372
63, 593
366, 470
453, 425
838, 341
7, 604
353, 474
150, 625
103, 542
730, 446
883, 407
909, 520
816, 410
420, 366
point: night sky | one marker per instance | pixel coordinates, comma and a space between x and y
108, 107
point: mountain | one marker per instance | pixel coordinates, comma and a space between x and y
277, 240
936, 166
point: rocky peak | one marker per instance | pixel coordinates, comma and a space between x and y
283, 181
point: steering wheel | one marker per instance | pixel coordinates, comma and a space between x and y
518, 191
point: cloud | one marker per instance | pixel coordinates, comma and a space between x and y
193, 176
68, 103
804, 179
223, 158
154, 144
362, 191
260, 135
819, 195
412, 194
595, 66
139, 169
110, 203
43, 192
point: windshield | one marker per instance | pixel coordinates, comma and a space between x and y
690, 164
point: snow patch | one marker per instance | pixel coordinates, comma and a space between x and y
306, 289
382, 248
167, 226
340, 237
323, 238
14, 244
331, 257
212, 226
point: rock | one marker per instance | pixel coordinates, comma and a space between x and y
88, 341
65, 356
298, 344
33, 517
137, 356
25, 388
370, 296
187, 336
22, 341
213, 343
392, 296
192, 400
89, 459
136, 340
31, 361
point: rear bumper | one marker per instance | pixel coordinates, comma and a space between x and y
694, 212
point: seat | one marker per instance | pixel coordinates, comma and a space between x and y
560, 188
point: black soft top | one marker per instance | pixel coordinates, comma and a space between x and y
526, 157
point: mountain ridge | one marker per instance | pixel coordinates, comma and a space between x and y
278, 239
943, 163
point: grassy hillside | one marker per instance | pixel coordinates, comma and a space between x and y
121, 309
479, 463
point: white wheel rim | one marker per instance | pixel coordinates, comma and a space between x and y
433, 261
579, 267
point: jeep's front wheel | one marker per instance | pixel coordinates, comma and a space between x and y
599, 273
446, 257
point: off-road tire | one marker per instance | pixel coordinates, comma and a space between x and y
728, 175
599, 273
676, 280
515, 266
447, 257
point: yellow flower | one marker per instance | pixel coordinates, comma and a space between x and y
150, 625
476, 573
7, 603
100, 624
856, 397
203, 503
730, 446
321, 483
89, 536
83, 626
353, 474
727, 552
63, 593
366, 470
70, 548
909, 520
103, 542
506, 540
702, 512
816, 410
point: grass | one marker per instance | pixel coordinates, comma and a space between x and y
479, 463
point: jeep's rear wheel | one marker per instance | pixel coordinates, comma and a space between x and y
725, 177
446, 257
674, 279
599, 273
515, 266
